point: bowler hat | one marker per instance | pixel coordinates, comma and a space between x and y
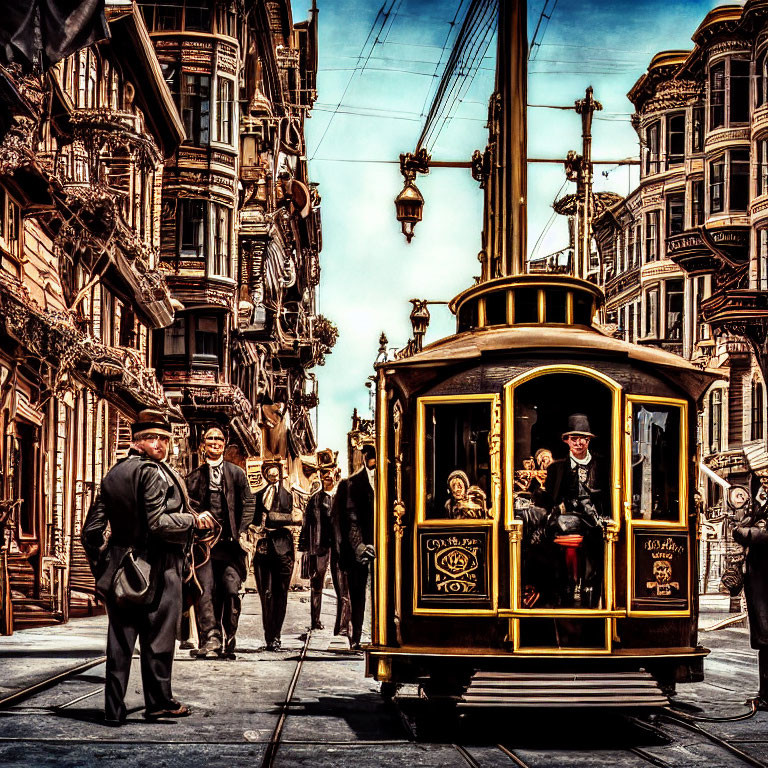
150, 422
578, 424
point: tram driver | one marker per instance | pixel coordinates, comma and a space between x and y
573, 497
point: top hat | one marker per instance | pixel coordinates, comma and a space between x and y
150, 422
578, 424
326, 459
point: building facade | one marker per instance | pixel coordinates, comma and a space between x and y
159, 247
683, 259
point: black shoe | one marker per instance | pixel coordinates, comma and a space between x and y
211, 649
274, 645
317, 625
112, 723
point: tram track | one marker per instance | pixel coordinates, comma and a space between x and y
21, 695
274, 742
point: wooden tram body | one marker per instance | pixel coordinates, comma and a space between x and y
452, 596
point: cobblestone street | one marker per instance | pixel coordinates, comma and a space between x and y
335, 715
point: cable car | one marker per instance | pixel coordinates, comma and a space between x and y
535, 522
479, 580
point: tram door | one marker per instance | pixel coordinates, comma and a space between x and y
596, 500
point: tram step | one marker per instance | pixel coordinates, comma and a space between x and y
530, 689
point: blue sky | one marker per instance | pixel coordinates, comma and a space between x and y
371, 109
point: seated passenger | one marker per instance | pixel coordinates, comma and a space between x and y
458, 485
466, 501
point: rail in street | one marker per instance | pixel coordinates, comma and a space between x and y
312, 705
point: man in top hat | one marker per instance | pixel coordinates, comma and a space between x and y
573, 496
221, 488
354, 516
274, 558
316, 536
145, 504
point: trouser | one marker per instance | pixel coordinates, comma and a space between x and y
218, 607
155, 626
343, 624
358, 589
273, 577
318, 566
762, 662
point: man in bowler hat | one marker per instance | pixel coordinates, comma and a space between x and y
573, 496
145, 504
274, 558
221, 488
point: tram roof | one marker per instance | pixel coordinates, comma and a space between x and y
473, 344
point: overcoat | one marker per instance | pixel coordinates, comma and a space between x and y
144, 503
354, 516
755, 538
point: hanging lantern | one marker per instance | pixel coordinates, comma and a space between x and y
409, 205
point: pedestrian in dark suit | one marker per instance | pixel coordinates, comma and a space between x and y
356, 532
752, 533
222, 489
343, 624
574, 497
274, 558
316, 538
145, 505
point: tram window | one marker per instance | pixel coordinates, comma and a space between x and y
656, 462
556, 309
457, 461
527, 305
496, 308
582, 310
468, 316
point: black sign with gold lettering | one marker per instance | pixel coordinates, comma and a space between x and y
454, 565
661, 572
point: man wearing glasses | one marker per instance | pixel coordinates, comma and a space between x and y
221, 488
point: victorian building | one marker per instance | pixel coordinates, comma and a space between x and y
240, 226
159, 247
81, 159
683, 259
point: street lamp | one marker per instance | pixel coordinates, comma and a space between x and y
409, 204
419, 321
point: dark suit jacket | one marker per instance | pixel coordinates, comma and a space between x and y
237, 494
144, 502
561, 485
279, 536
354, 516
316, 533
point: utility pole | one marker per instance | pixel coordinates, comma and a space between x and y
579, 168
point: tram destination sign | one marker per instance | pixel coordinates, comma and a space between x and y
454, 565
661, 572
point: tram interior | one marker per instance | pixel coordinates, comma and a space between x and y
562, 550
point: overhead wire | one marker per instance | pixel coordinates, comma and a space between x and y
534, 42
469, 76
381, 12
466, 38
451, 25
